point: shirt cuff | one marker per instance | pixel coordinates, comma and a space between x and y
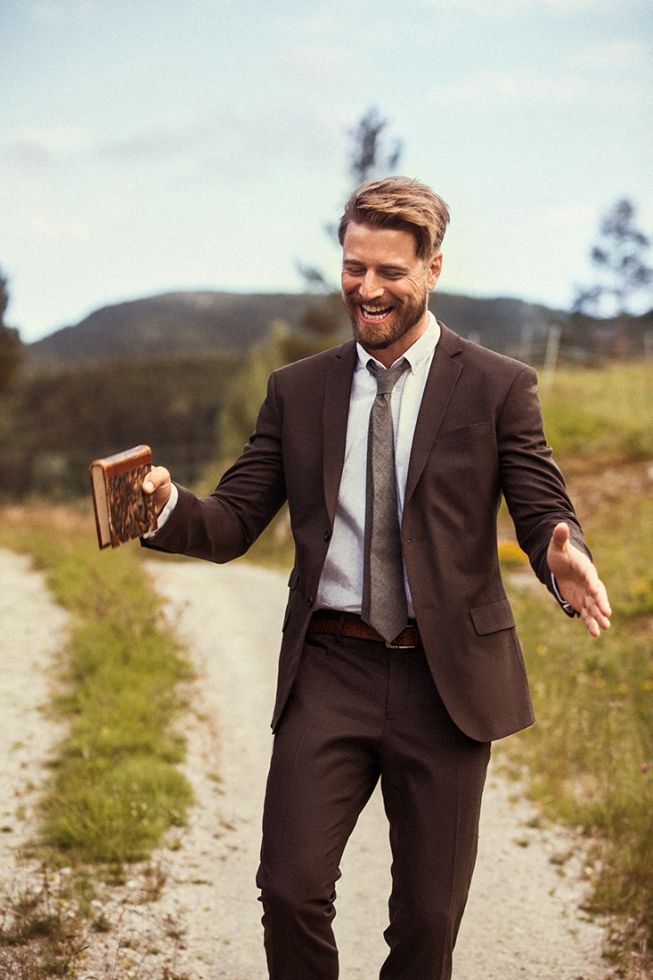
566, 607
165, 513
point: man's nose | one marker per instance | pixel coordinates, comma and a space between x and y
371, 287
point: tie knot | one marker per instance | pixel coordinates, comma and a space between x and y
386, 380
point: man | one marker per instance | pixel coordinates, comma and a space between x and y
400, 660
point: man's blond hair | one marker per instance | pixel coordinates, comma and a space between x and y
399, 202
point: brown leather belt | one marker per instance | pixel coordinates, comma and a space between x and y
349, 624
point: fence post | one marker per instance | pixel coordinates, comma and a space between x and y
551, 355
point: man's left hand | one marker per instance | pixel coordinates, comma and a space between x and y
578, 581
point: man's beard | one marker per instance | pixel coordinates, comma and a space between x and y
380, 336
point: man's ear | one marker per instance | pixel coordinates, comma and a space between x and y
434, 269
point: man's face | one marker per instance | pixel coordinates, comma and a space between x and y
385, 288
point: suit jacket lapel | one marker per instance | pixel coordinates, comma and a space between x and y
443, 377
335, 412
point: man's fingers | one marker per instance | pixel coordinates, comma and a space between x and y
158, 484
599, 603
578, 581
593, 627
158, 477
560, 536
595, 624
603, 602
596, 613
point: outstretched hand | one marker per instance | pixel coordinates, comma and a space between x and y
158, 483
578, 581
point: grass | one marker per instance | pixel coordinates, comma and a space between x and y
590, 756
42, 933
115, 786
596, 417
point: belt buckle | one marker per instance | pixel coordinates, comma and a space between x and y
400, 646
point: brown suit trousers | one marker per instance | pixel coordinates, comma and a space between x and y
360, 712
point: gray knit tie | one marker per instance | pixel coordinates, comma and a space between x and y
384, 603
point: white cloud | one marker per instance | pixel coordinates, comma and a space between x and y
35, 147
500, 8
156, 142
538, 88
628, 53
51, 140
53, 11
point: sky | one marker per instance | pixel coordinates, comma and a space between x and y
150, 146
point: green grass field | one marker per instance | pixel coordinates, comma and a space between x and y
590, 755
600, 416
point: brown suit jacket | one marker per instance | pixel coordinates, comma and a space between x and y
478, 435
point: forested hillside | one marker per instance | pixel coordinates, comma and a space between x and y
193, 323
186, 372
54, 422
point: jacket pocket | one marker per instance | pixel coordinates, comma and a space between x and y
492, 617
292, 585
476, 431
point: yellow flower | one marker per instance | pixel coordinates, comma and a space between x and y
511, 554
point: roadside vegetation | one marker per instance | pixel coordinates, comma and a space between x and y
589, 758
115, 788
600, 416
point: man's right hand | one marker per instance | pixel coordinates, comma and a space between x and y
158, 482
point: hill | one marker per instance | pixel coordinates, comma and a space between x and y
192, 323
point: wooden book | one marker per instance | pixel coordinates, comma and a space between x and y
122, 510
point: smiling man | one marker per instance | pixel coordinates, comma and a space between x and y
385, 286
400, 661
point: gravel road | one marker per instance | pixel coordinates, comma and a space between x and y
32, 629
523, 920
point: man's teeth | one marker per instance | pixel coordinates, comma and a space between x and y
375, 312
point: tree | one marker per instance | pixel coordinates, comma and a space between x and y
246, 389
369, 156
620, 260
371, 153
10, 345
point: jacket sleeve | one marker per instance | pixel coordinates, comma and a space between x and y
532, 484
224, 525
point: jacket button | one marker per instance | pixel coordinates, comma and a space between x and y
327, 535
309, 600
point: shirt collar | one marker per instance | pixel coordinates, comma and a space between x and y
419, 352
